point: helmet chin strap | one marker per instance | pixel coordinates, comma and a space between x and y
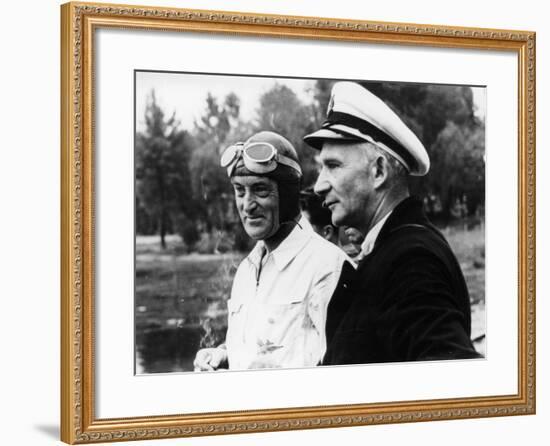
293, 221
289, 200
275, 239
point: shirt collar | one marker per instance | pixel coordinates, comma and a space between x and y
370, 239
288, 248
256, 255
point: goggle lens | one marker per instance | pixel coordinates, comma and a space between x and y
260, 152
258, 157
229, 155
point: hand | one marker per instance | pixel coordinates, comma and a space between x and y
209, 359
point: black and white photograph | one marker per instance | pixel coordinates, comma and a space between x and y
306, 222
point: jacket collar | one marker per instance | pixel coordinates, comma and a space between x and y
408, 211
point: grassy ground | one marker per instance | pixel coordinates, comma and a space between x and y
180, 299
469, 247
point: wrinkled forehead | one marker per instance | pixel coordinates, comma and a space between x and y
252, 180
344, 151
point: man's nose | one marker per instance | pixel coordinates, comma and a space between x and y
321, 186
249, 202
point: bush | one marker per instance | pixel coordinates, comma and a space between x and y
215, 242
188, 231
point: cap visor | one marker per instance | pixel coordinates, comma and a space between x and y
316, 139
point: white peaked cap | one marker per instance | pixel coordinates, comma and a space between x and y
355, 114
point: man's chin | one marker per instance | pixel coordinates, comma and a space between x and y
337, 220
256, 234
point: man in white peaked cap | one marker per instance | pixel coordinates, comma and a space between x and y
409, 299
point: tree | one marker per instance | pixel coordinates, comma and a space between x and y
217, 121
321, 97
443, 118
281, 111
162, 169
426, 108
219, 126
458, 153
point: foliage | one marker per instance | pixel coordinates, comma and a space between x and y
188, 230
459, 167
181, 188
442, 117
281, 111
219, 127
163, 185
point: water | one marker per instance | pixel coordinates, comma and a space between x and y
171, 343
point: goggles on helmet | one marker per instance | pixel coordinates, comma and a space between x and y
258, 157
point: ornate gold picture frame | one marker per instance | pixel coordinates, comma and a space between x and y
80, 24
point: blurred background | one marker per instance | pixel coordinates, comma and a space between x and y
189, 240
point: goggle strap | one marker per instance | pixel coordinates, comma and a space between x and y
288, 162
235, 148
231, 168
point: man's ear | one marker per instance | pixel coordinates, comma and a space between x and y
381, 171
328, 232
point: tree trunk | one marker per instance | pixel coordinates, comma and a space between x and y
160, 183
163, 228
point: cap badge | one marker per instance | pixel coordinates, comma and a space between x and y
330, 105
